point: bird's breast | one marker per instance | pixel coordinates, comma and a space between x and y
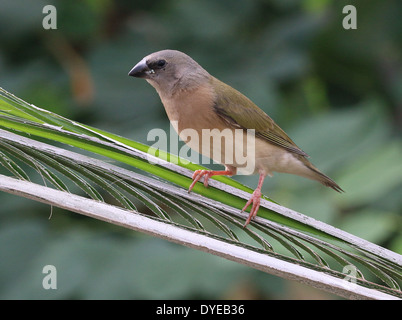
192, 115
191, 108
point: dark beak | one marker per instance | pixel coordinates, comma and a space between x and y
140, 70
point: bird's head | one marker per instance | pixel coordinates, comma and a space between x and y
169, 71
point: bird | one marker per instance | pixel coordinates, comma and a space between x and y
197, 102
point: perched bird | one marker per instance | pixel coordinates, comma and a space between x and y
194, 99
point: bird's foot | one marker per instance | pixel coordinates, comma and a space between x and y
198, 174
255, 200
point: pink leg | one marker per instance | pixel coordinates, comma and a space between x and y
198, 174
255, 200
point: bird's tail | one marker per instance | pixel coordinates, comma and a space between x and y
320, 177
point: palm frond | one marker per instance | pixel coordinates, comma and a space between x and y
159, 190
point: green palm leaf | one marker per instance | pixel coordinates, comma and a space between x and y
161, 188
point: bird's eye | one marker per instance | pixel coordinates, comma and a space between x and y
161, 63
157, 64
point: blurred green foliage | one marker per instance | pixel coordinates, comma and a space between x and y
337, 92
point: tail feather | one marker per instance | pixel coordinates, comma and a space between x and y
332, 184
320, 177
325, 180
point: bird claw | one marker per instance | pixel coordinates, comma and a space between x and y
255, 197
255, 200
197, 175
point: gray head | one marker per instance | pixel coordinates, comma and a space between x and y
169, 71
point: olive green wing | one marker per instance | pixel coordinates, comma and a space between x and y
240, 112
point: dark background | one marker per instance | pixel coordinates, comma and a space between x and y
336, 92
